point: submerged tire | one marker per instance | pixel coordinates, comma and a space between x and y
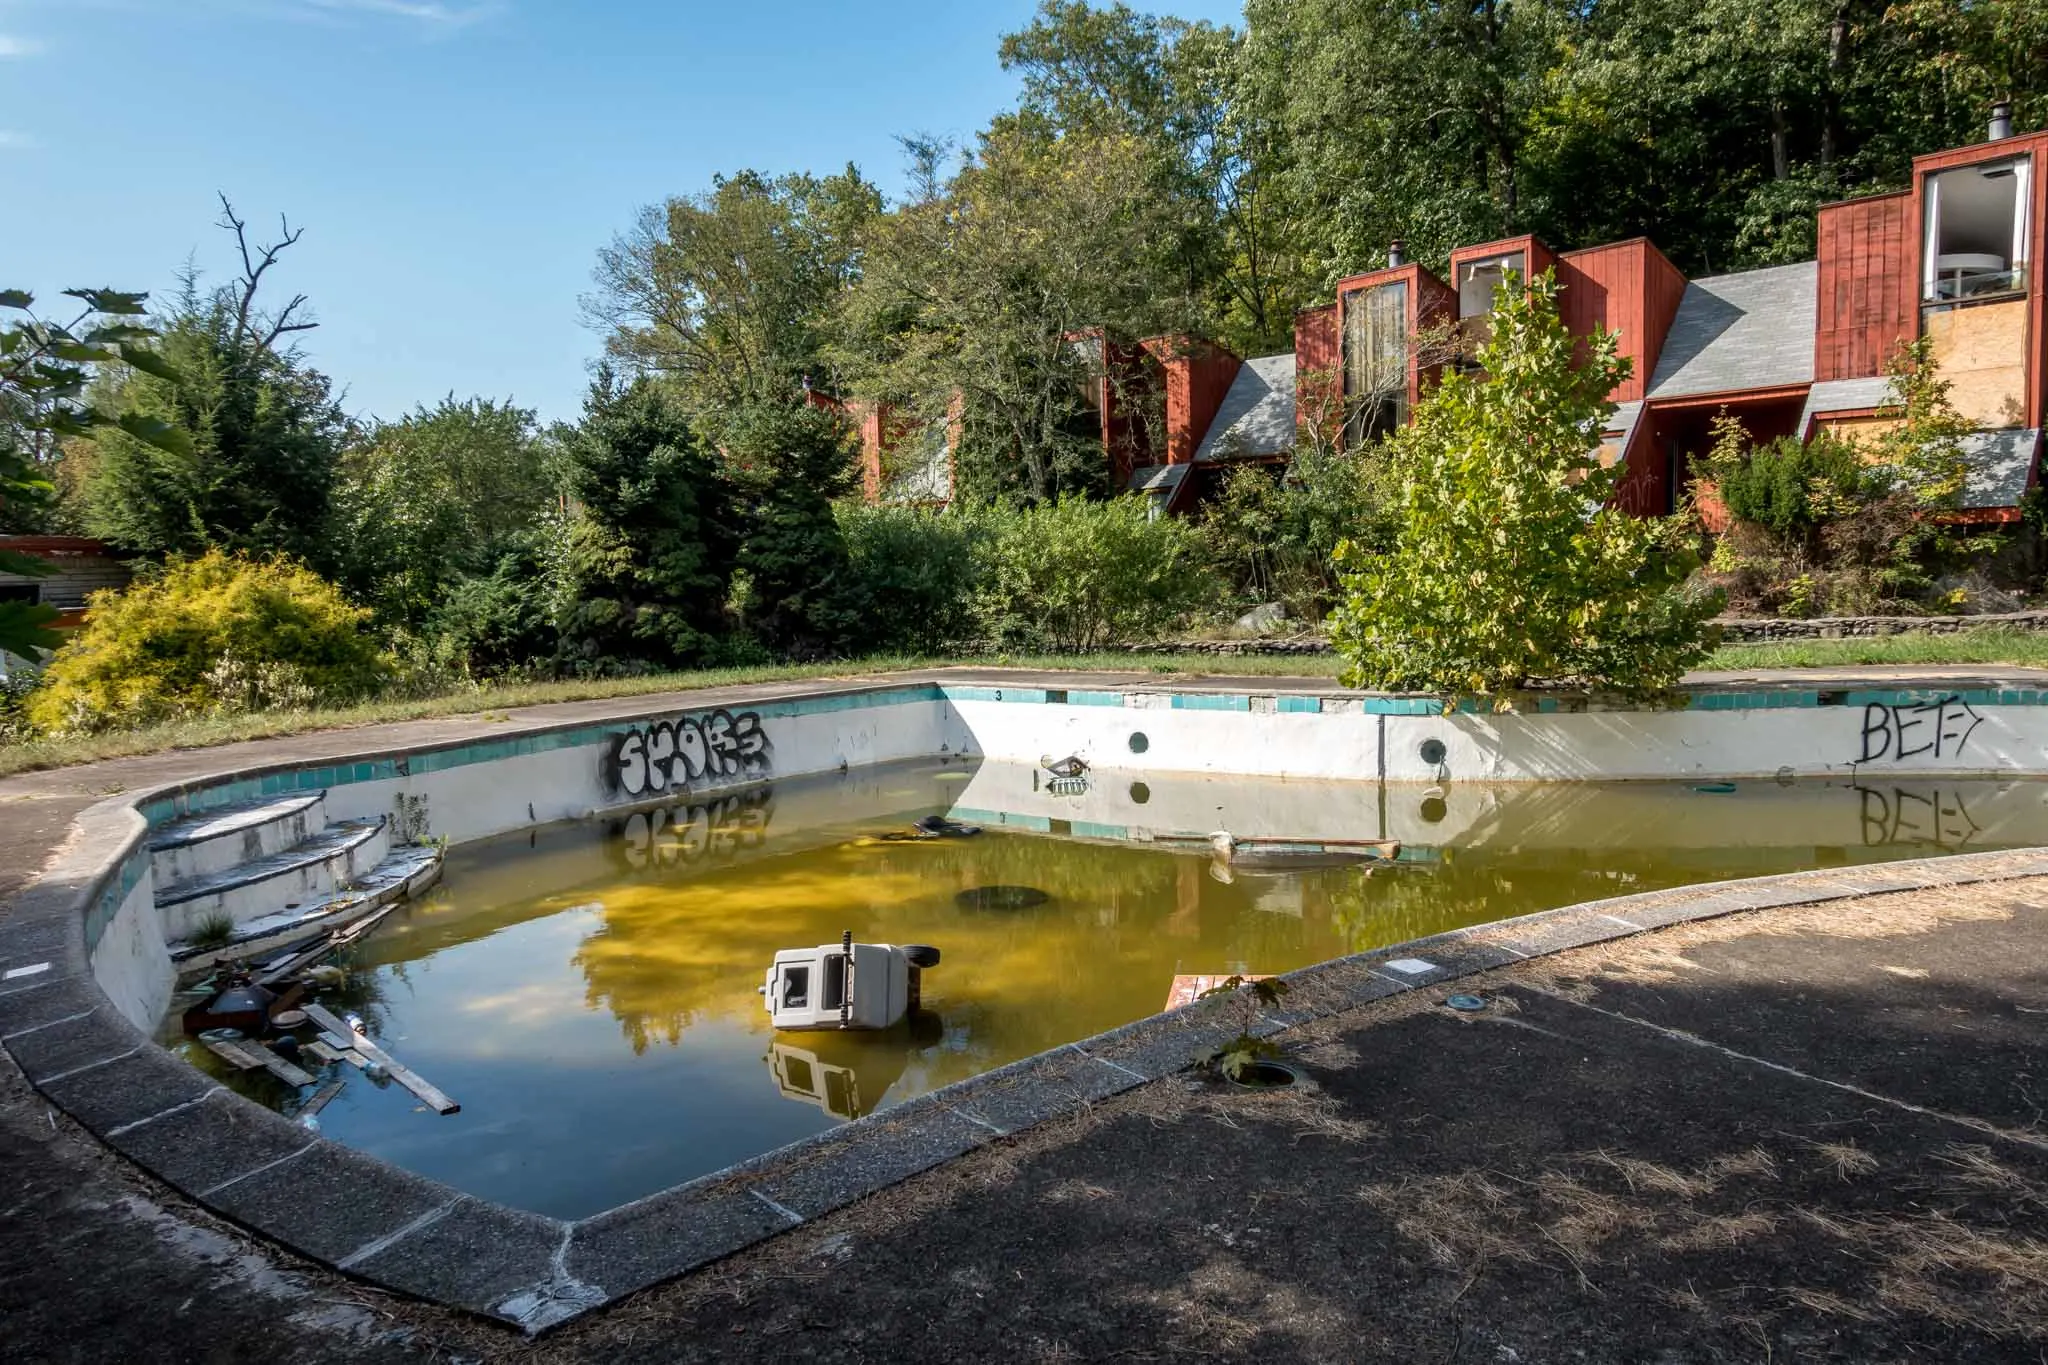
1000, 898
921, 954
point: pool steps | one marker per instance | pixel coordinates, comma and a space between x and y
279, 869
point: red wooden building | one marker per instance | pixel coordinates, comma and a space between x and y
1788, 350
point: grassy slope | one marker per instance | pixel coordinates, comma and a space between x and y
1984, 646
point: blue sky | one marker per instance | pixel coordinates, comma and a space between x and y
456, 163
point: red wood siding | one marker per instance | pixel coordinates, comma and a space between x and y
1196, 376
1630, 289
1317, 377
1132, 382
1430, 301
1867, 281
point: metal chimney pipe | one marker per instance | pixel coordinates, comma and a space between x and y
1394, 253
2001, 121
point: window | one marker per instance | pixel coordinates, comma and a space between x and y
1478, 279
31, 593
796, 987
1375, 359
1975, 245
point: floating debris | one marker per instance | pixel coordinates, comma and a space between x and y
846, 985
1299, 855
927, 828
350, 1037
1000, 898
1470, 1004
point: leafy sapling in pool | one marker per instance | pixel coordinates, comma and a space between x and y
1239, 1058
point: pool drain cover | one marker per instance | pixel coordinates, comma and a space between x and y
1470, 1004
1000, 898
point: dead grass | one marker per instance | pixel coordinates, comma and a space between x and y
1846, 1159
1661, 958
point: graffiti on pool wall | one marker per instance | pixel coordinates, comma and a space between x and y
1893, 815
703, 831
1896, 732
675, 755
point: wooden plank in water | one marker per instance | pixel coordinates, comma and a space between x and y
249, 1055
285, 1071
321, 1099
281, 967
405, 1076
233, 1051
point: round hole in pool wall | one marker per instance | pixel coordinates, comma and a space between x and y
1433, 751
1139, 744
1140, 793
1434, 809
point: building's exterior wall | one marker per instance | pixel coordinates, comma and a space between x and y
1630, 289
1196, 375
1867, 275
1318, 383
2034, 145
1981, 352
78, 568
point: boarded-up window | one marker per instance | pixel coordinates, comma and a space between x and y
1376, 359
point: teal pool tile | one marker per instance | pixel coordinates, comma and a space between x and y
1095, 698
1085, 830
1025, 694
1302, 706
1403, 706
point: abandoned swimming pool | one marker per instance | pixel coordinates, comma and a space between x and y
712, 791
587, 989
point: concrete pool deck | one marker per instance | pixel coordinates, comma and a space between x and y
1539, 1178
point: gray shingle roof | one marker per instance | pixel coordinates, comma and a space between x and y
1257, 416
1844, 395
2000, 462
1158, 478
1748, 331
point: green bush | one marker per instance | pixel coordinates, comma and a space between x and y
1512, 563
216, 633
913, 572
497, 623
1075, 575
1786, 486
1274, 537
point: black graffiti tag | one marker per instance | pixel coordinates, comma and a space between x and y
1896, 733
677, 755
707, 830
1898, 816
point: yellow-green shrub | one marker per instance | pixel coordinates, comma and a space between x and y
216, 633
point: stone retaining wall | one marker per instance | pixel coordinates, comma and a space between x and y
1733, 631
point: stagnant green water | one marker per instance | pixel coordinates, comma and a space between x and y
587, 992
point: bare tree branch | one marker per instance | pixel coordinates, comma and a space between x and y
253, 267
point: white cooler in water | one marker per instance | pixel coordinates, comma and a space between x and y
845, 985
